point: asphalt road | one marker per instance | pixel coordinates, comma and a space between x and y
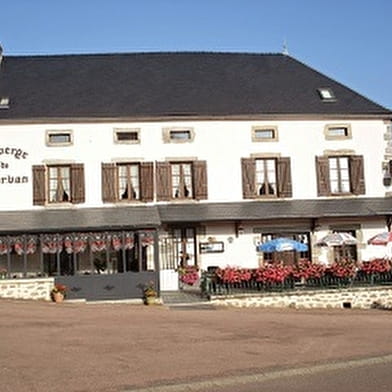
120, 347
361, 378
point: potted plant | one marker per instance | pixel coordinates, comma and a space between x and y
149, 293
58, 292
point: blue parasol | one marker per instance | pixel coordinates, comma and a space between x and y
282, 245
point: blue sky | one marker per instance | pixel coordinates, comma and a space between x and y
348, 40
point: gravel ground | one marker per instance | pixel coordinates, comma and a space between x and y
116, 347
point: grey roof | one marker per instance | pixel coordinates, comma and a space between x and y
137, 85
282, 209
81, 219
133, 217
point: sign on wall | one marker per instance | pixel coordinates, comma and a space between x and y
7, 176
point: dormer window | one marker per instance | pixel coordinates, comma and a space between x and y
326, 94
4, 103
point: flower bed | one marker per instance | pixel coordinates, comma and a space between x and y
302, 274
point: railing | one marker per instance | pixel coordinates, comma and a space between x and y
211, 284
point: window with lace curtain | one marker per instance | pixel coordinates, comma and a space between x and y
128, 182
59, 184
182, 180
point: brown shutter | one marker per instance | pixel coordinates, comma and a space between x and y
146, 181
200, 180
77, 183
322, 170
357, 176
163, 181
284, 177
109, 182
248, 166
39, 192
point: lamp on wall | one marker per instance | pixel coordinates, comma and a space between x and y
239, 229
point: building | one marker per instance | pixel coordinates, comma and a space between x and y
118, 168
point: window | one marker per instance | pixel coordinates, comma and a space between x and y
266, 177
346, 252
340, 175
4, 103
128, 182
58, 184
337, 132
59, 138
178, 135
264, 134
127, 135
182, 180
326, 94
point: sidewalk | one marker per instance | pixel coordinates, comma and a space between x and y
119, 347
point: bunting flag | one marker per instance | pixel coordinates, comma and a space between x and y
147, 238
52, 243
25, 245
75, 243
5, 245
98, 241
129, 240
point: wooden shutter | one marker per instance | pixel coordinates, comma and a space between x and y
284, 177
357, 176
248, 166
109, 182
200, 180
163, 181
322, 170
147, 181
77, 183
39, 191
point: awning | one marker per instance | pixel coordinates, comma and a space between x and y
78, 219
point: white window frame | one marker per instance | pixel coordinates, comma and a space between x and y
132, 174
340, 178
267, 169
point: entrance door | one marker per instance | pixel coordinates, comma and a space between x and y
178, 249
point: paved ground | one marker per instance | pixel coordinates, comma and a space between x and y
121, 347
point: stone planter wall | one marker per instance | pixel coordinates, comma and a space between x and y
362, 298
38, 289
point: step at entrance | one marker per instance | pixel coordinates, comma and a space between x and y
181, 297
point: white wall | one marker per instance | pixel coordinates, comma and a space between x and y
221, 143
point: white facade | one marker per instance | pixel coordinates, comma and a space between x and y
222, 144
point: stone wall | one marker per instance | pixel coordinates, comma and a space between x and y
38, 289
362, 298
